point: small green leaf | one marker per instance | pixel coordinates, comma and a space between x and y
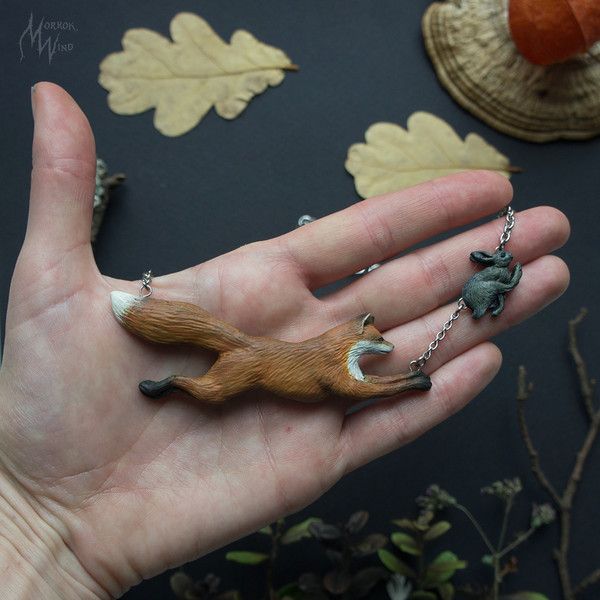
310, 583
369, 544
290, 590
423, 595
446, 558
324, 531
364, 581
405, 524
247, 558
446, 591
442, 568
268, 530
357, 521
299, 531
436, 530
337, 581
406, 543
394, 564
181, 583
487, 559
525, 596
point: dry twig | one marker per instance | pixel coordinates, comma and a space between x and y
564, 501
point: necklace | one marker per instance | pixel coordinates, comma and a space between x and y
311, 370
484, 290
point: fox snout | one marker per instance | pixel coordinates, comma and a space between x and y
381, 346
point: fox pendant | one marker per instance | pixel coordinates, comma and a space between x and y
308, 371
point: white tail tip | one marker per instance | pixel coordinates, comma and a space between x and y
121, 301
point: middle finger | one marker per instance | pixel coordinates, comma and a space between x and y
410, 286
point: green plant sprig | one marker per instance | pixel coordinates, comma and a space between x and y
427, 578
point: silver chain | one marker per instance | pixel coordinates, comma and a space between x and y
146, 288
419, 363
508, 226
305, 220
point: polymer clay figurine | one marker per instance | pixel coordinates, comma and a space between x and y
486, 289
308, 371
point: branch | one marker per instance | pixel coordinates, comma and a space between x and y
587, 391
593, 577
565, 502
582, 455
522, 395
586, 385
586, 388
517, 542
502, 536
477, 526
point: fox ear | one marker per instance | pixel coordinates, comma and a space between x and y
365, 319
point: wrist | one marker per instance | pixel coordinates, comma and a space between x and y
35, 561
22, 566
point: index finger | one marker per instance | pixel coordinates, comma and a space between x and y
378, 228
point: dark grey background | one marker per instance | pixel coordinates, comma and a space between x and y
223, 184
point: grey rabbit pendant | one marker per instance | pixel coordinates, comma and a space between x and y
485, 290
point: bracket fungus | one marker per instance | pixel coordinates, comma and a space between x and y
477, 61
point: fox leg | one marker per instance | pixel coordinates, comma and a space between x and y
156, 389
380, 387
226, 378
203, 388
386, 379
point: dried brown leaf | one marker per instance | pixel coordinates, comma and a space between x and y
394, 158
184, 78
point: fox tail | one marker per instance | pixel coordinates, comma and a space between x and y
171, 322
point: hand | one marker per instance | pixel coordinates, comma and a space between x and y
107, 486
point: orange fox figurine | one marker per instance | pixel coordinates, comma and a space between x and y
308, 371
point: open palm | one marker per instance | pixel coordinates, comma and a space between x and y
124, 487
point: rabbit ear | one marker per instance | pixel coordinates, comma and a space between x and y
480, 256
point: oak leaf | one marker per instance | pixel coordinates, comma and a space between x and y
394, 158
184, 78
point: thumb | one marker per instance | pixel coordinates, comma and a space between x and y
62, 186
